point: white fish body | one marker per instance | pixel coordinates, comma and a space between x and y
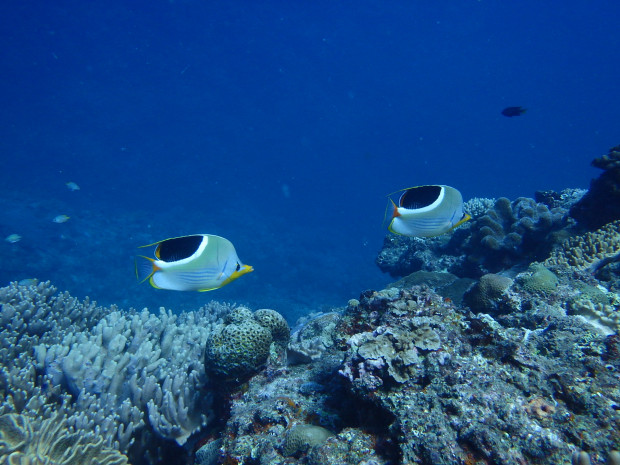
211, 265
13, 238
429, 212
60, 219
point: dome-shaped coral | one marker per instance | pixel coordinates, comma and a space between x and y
241, 345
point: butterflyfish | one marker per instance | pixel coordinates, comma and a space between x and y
13, 238
201, 262
427, 211
513, 111
60, 219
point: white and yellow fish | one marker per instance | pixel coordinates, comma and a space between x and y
61, 219
427, 211
201, 262
13, 238
72, 186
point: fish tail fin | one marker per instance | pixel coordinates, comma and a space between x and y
145, 268
388, 216
395, 212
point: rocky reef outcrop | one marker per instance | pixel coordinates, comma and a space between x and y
502, 234
601, 205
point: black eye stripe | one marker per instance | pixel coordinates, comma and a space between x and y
238, 266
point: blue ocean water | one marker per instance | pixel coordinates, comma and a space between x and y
281, 126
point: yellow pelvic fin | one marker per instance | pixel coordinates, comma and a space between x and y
466, 217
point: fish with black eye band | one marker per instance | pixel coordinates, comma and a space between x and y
427, 211
201, 262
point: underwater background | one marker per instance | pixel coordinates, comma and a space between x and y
281, 126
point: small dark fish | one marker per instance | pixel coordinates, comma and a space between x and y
513, 111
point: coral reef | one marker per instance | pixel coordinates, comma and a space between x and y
501, 236
312, 337
123, 375
500, 345
140, 360
425, 381
538, 279
601, 204
25, 440
489, 294
564, 199
513, 232
590, 251
300, 438
241, 345
402, 375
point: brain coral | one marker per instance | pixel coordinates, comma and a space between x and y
241, 345
300, 438
538, 279
487, 294
601, 204
590, 251
50, 442
275, 323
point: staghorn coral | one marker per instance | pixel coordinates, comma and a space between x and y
36, 313
590, 251
601, 204
34, 316
477, 207
51, 442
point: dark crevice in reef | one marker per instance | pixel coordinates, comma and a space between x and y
357, 412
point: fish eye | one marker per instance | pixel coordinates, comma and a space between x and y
238, 267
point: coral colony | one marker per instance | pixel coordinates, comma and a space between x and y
497, 345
